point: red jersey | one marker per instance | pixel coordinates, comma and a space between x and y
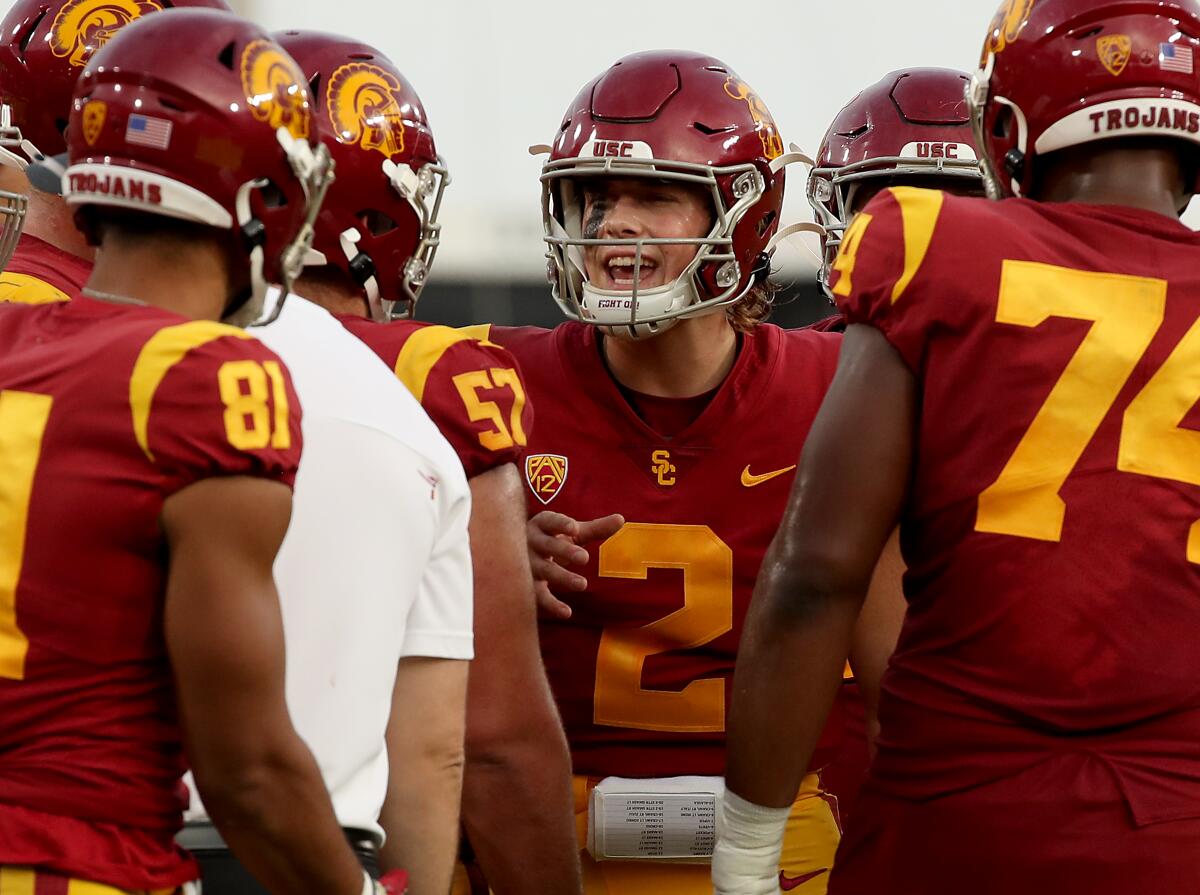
38, 273
105, 411
642, 670
1050, 531
470, 387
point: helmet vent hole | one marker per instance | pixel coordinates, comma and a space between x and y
376, 222
225, 57
1188, 35
857, 132
60, 125
1091, 32
717, 68
566, 124
27, 39
170, 104
314, 86
705, 129
362, 57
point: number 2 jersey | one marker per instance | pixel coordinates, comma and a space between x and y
1052, 527
642, 670
106, 411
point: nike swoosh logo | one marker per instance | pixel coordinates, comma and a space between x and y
750, 480
787, 883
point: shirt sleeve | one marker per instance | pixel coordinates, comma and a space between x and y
441, 618
886, 265
210, 400
476, 396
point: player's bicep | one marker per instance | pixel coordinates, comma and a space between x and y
854, 467
222, 622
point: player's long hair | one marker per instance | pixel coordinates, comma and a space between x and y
755, 307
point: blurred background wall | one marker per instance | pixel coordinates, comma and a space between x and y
496, 77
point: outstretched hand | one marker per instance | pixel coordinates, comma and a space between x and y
554, 545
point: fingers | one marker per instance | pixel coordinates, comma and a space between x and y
548, 605
598, 529
558, 548
556, 577
554, 523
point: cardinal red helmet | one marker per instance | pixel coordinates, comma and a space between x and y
680, 117
46, 45
379, 223
1062, 73
220, 134
911, 124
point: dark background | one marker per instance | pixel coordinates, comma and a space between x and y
459, 303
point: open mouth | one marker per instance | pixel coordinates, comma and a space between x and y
623, 271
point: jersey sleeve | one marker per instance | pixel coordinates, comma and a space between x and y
887, 263
473, 391
28, 289
440, 622
210, 400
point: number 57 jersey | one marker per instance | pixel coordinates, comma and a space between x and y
642, 670
1052, 529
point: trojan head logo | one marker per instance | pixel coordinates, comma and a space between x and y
84, 26
93, 117
1006, 26
1114, 50
546, 474
772, 143
275, 88
365, 103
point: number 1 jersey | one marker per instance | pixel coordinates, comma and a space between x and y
1052, 529
642, 670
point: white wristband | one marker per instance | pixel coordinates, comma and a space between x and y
749, 842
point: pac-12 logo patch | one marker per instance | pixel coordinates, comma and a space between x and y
1113, 51
365, 103
84, 26
94, 113
546, 474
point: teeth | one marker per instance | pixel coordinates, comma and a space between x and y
626, 261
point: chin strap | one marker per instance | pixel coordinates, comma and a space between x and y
792, 230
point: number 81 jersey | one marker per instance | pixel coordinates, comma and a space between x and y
105, 412
1052, 529
642, 670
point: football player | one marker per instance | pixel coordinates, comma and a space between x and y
1016, 389
380, 517
910, 128
157, 446
46, 45
668, 400
375, 240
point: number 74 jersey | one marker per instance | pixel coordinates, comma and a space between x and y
641, 672
1052, 530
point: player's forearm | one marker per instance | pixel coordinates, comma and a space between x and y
274, 813
421, 818
517, 802
789, 668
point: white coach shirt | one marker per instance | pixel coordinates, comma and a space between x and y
376, 564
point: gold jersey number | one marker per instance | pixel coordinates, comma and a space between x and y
1126, 313
707, 612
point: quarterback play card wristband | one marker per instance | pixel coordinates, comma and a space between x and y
659, 819
746, 857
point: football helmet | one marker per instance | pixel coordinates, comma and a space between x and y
1060, 73
220, 135
46, 45
379, 224
912, 123
683, 118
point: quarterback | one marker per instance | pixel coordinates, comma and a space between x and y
665, 399
1016, 389
157, 446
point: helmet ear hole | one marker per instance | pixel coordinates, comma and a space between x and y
272, 195
225, 57
376, 222
1002, 126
